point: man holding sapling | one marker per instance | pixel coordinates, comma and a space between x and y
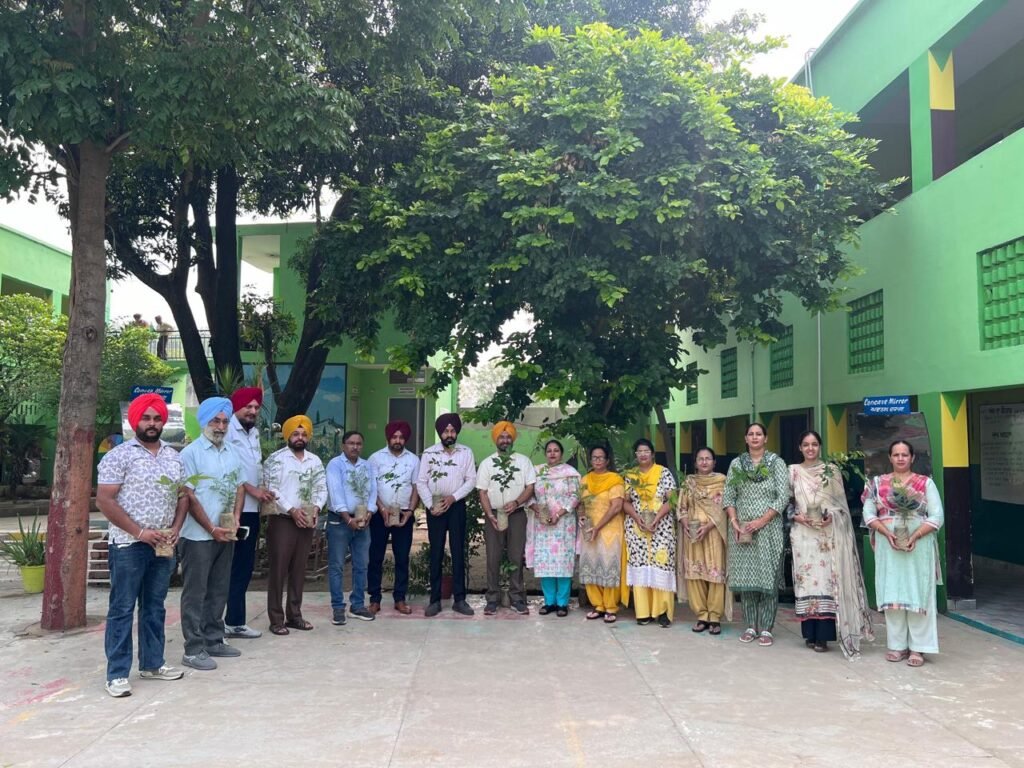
447, 475
396, 470
244, 437
297, 478
352, 487
208, 537
505, 483
138, 492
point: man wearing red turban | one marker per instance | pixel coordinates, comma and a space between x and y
244, 436
446, 476
396, 470
144, 514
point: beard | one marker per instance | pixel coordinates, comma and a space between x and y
448, 442
148, 434
297, 445
215, 436
246, 421
396, 447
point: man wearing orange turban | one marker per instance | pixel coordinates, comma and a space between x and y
143, 515
244, 436
505, 483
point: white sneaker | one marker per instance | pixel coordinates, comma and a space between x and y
243, 630
164, 673
119, 687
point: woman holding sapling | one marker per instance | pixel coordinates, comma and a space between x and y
904, 512
600, 520
551, 529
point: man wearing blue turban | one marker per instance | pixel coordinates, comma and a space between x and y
215, 477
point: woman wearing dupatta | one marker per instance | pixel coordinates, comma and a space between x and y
756, 492
906, 568
827, 580
551, 529
651, 543
703, 551
601, 538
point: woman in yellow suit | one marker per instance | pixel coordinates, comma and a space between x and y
601, 532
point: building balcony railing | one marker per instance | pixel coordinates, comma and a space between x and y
171, 348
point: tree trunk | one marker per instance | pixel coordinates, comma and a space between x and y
223, 315
271, 364
304, 379
666, 436
191, 344
67, 527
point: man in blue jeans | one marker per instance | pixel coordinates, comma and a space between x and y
352, 491
138, 493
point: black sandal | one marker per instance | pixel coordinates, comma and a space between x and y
595, 615
562, 611
701, 626
546, 609
714, 628
644, 622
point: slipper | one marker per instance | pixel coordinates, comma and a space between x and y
915, 659
302, 624
715, 628
896, 655
765, 639
609, 618
749, 635
546, 609
595, 615
700, 626
279, 629
562, 611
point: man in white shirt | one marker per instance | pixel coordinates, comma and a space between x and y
446, 477
297, 478
505, 483
396, 470
244, 436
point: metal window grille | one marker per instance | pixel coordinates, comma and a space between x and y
782, 360
691, 389
1001, 288
730, 373
866, 337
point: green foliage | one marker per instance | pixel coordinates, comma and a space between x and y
359, 483
126, 362
17, 443
31, 346
624, 190
27, 547
264, 325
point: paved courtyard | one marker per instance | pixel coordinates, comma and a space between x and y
507, 691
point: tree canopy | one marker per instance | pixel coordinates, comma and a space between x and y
629, 187
31, 344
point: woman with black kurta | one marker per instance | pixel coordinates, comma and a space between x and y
756, 491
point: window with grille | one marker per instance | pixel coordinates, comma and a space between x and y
1001, 305
782, 360
866, 335
691, 388
730, 373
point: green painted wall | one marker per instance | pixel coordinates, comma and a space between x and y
31, 261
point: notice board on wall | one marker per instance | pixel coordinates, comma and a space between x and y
1002, 452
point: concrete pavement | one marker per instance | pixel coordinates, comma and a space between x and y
506, 691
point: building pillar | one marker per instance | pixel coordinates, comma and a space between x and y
932, 117
836, 432
719, 440
946, 414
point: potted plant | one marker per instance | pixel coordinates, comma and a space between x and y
504, 473
842, 462
638, 486
506, 569
908, 504
270, 472
27, 550
394, 481
437, 472
174, 489
309, 481
227, 488
359, 483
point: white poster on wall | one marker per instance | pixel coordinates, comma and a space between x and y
1002, 453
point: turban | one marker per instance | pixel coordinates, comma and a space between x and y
299, 420
503, 426
210, 407
140, 404
448, 419
244, 396
398, 426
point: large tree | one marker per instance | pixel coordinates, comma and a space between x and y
625, 189
178, 82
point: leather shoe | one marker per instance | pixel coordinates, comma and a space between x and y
402, 608
462, 607
374, 608
432, 610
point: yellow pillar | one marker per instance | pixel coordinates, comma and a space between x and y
836, 432
719, 437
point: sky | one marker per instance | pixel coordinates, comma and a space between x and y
804, 23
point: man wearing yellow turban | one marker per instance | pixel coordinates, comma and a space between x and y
297, 478
505, 483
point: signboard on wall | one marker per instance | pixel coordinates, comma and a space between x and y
1002, 452
887, 405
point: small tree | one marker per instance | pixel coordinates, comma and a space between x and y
31, 343
264, 326
126, 361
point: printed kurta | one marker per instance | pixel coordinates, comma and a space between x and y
701, 499
601, 559
651, 557
551, 549
757, 566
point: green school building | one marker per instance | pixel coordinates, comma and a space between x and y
937, 314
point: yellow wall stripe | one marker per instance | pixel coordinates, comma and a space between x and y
941, 85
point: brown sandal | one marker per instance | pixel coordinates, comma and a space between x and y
595, 615
302, 624
896, 655
915, 659
609, 618
279, 629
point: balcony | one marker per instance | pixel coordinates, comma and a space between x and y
175, 351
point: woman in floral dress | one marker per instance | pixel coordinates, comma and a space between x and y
906, 561
827, 579
651, 542
756, 492
551, 530
601, 537
703, 551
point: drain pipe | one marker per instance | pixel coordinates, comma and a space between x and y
820, 402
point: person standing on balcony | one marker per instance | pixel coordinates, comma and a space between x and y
138, 322
396, 470
244, 436
137, 493
214, 472
164, 330
447, 476
505, 483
